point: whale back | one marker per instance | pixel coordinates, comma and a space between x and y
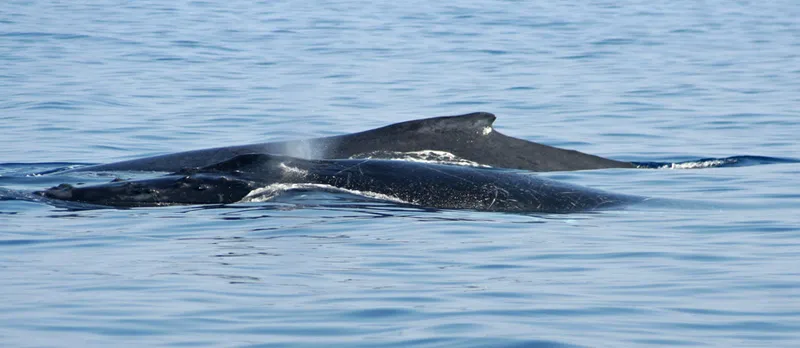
469, 136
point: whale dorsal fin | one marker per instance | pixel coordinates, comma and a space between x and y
472, 122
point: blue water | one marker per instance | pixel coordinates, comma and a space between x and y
101, 81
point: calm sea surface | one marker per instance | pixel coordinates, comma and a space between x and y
101, 81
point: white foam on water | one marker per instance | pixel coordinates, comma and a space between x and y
269, 192
693, 165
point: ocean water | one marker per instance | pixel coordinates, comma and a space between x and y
101, 81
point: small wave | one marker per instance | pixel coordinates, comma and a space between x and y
734, 161
269, 192
426, 156
36, 169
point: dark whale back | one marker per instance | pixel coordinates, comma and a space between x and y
471, 137
463, 187
468, 136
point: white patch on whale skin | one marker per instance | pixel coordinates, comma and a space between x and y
269, 192
486, 130
424, 156
293, 170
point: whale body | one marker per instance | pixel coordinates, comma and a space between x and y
417, 183
470, 137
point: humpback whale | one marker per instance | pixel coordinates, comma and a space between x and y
470, 137
362, 163
418, 183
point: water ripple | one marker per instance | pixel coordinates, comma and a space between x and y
675, 86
